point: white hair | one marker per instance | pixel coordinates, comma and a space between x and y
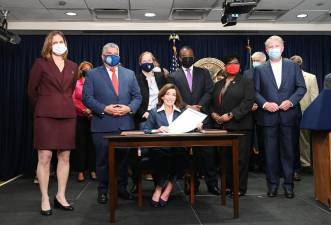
274, 38
261, 55
110, 45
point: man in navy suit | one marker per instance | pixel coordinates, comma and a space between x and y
113, 94
279, 86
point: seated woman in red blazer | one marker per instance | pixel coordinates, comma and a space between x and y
51, 84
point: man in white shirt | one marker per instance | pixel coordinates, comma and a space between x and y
279, 87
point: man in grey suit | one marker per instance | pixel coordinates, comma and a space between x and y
279, 86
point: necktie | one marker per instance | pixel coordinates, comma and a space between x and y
189, 78
114, 80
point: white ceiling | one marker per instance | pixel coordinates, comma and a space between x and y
44, 11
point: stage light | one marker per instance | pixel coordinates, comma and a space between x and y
233, 8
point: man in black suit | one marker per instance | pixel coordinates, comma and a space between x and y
195, 86
257, 156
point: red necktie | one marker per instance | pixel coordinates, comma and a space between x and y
114, 80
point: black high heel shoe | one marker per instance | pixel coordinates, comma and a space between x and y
163, 203
58, 205
154, 204
46, 212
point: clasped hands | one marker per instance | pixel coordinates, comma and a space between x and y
220, 119
117, 109
273, 107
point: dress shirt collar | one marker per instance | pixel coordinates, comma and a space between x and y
162, 108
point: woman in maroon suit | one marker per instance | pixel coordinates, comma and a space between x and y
51, 84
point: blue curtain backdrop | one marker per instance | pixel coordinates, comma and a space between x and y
16, 153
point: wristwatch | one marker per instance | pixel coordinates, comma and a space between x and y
230, 114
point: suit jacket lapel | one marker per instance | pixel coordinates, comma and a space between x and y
269, 71
284, 76
104, 73
183, 79
56, 73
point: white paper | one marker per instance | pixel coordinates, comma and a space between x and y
187, 121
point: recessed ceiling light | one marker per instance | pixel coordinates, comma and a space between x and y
148, 14
302, 15
71, 14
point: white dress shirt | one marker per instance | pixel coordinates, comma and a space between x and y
277, 70
171, 116
153, 91
110, 73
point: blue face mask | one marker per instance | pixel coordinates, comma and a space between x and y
255, 64
274, 53
147, 67
112, 60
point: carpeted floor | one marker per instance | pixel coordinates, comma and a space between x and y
19, 205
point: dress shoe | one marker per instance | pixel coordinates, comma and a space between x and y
288, 193
163, 203
46, 212
154, 204
297, 176
214, 190
58, 205
125, 195
102, 198
272, 192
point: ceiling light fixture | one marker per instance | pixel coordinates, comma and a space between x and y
302, 15
71, 14
149, 14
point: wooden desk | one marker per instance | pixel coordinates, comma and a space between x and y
171, 140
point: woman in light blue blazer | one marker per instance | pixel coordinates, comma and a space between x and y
168, 163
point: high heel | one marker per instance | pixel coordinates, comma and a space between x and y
154, 204
58, 205
163, 203
46, 212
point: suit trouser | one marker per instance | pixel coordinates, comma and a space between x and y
84, 155
122, 155
205, 160
244, 149
305, 149
279, 142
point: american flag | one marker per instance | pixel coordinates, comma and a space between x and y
248, 55
174, 61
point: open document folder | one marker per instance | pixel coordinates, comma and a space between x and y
187, 121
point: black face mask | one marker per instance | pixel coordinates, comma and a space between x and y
187, 62
84, 72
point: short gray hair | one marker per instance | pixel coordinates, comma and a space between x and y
260, 54
274, 38
110, 45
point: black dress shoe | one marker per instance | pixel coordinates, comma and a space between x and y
46, 212
288, 193
125, 195
272, 192
214, 190
58, 205
102, 198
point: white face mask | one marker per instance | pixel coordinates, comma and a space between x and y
59, 48
157, 69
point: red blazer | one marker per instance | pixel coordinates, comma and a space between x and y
50, 91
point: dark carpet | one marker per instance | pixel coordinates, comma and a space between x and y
20, 202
